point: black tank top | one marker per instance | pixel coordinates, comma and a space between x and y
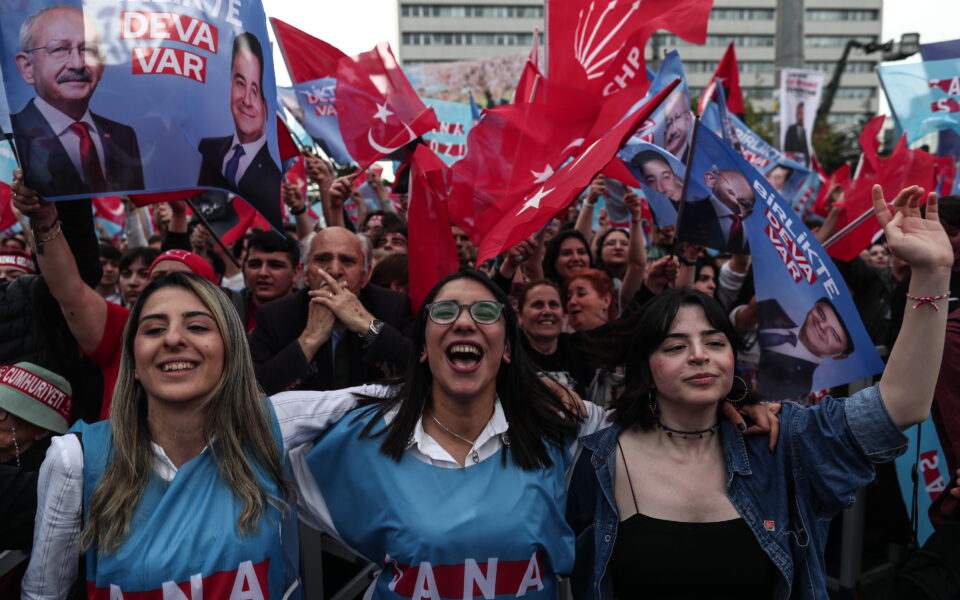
669, 560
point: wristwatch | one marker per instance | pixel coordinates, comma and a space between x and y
372, 333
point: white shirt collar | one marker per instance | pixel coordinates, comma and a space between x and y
799, 351
61, 122
249, 150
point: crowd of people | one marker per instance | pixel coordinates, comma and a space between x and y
585, 404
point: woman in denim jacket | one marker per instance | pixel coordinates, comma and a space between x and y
673, 502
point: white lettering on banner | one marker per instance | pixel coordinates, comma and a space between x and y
930, 467
628, 70
233, 13
473, 575
138, 25
246, 586
210, 7
171, 591
531, 578
325, 110
169, 61
426, 585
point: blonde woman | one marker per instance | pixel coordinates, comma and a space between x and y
184, 485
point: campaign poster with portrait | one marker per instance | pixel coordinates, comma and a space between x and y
110, 98
799, 98
671, 124
924, 97
661, 178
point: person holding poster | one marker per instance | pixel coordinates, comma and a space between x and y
671, 488
241, 162
64, 147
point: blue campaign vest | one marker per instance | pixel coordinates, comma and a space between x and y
489, 531
184, 533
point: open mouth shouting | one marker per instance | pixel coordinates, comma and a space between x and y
464, 357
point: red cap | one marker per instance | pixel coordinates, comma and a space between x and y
18, 258
197, 265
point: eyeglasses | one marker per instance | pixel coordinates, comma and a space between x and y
484, 312
61, 50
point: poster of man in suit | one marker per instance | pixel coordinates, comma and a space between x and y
800, 91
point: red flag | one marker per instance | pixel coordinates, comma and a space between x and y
432, 252
378, 109
109, 208
530, 80
288, 146
870, 144
157, 198
597, 41
728, 74
519, 215
307, 57
619, 171
7, 217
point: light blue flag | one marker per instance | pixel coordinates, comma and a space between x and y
932, 474
449, 141
318, 99
924, 97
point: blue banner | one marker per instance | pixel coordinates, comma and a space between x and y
932, 474
661, 178
924, 97
940, 50
449, 140
671, 124
810, 332
318, 100
129, 97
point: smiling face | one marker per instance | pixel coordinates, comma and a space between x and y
178, 349
464, 356
676, 128
658, 175
541, 315
694, 363
247, 105
586, 306
614, 249
63, 63
572, 257
822, 333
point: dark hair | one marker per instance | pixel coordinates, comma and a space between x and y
535, 415
391, 269
144, 253
632, 339
553, 252
706, 261
109, 251
644, 156
598, 259
848, 349
153, 239
389, 221
219, 265
948, 208
271, 241
522, 298
248, 41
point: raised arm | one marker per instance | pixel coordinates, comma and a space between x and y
585, 218
637, 252
908, 382
84, 309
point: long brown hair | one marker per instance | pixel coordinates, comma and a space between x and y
235, 421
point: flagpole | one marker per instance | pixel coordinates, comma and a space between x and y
686, 182
213, 234
849, 226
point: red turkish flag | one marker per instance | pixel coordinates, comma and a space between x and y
109, 208
523, 214
307, 57
378, 109
728, 74
288, 146
432, 252
7, 217
530, 80
590, 40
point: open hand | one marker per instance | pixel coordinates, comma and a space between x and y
917, 240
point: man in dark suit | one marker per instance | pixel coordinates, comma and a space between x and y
717, 220
789, 354
65, 148
795, 142
338, 332
241, 162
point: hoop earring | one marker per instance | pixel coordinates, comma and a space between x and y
652, 397
743, 395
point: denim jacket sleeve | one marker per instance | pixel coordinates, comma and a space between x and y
836, 444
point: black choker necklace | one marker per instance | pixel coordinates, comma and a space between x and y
688, 435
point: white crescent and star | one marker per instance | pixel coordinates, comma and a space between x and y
534, 200
383, 113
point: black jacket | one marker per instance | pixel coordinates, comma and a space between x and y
281, 365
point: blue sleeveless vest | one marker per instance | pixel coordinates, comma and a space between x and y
487, 531
183, 540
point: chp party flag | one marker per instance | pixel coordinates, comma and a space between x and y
158, 98
378, 109
449, 139
810, 333
524, 213
924, 97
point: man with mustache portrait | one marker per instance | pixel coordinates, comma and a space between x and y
64, 147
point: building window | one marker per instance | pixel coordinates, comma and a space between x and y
465, 39
842, 15
856, 92
471, 11
758, 93
742, 14
669, 40
851, 67
835, 41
